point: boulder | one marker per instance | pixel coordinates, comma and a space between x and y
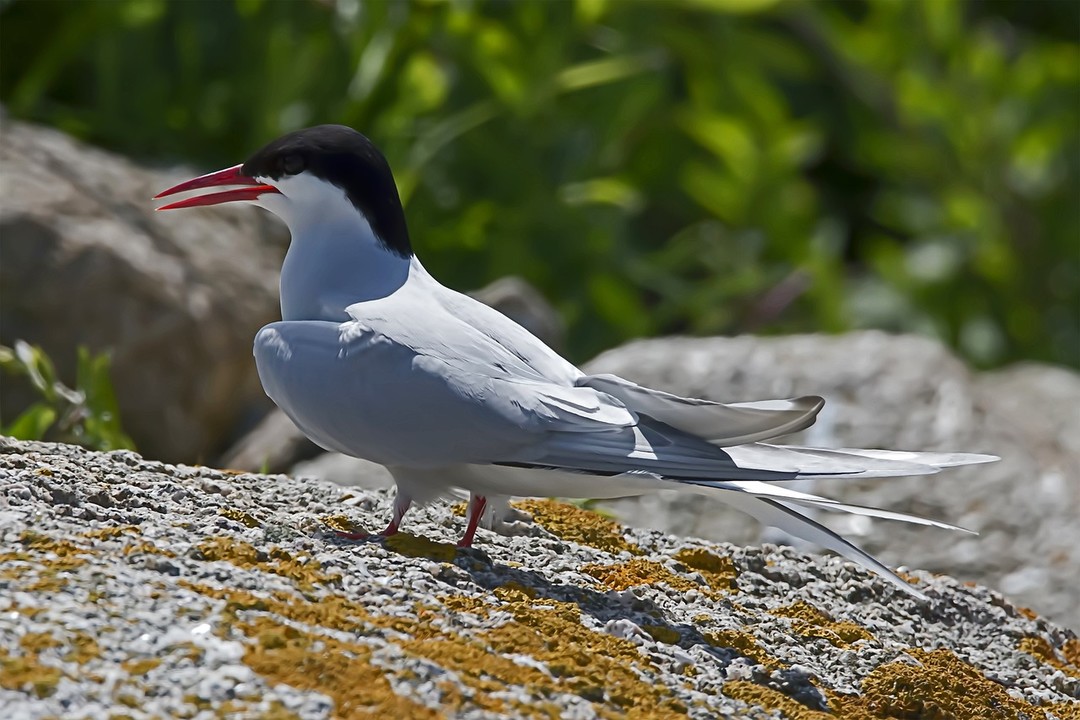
184, 591
175, 297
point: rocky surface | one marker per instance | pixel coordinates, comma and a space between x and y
175, 297
138, 588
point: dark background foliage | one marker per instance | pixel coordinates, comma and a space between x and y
700, 166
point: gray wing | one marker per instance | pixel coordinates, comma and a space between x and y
433, 394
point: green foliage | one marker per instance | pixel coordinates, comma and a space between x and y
87, 415
702, 166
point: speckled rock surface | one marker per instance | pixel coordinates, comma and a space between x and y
141, 589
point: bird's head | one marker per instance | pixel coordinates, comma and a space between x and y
313, 176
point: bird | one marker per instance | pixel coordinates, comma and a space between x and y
374, 358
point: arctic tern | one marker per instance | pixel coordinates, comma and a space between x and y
374, 358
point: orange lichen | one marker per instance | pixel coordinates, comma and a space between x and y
68, 554
279, 562
36, 642
761, 696
632, 573
745, 644
718, 571
606, 670
940, 687
808, 621
27, 674
578, 525
83, 648
109, 533
663, 633
1066, 659
599, 667
343, 524
321, 663
140, 666
246, 519
421, 547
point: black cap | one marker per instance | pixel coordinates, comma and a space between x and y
344, 157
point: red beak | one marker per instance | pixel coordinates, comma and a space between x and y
251, 189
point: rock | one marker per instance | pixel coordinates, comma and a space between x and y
180, 599
344, 470
900, 392
175, 297
274, 445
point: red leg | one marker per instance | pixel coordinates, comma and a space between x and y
476, 511
401, 506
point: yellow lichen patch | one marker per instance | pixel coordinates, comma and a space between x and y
662, 633
24, 674
1063, 710
601, 668
621, 576
718, 571
27, 674
577, 525
246, 519
109, 533
761, 696
420, 547
331, 611
459, 508
1067, 659
1027, 612
67, 553
140, 666
513, 591
803, 611
343, 524
84, 648
147, 547
36, 642
342, 670
280, 562
745, 644
940, 687
808, 621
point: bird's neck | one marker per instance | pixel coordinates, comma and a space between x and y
333, 263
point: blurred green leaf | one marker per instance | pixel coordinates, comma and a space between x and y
32, 423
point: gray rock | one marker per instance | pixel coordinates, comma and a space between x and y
199, 593
175, 297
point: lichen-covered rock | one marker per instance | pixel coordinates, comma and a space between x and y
146, 589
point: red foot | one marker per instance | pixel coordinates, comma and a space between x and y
476, 511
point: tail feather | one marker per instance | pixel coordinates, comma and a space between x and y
717, 423
779, 492
776, 514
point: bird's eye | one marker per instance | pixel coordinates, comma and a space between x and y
292, 164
